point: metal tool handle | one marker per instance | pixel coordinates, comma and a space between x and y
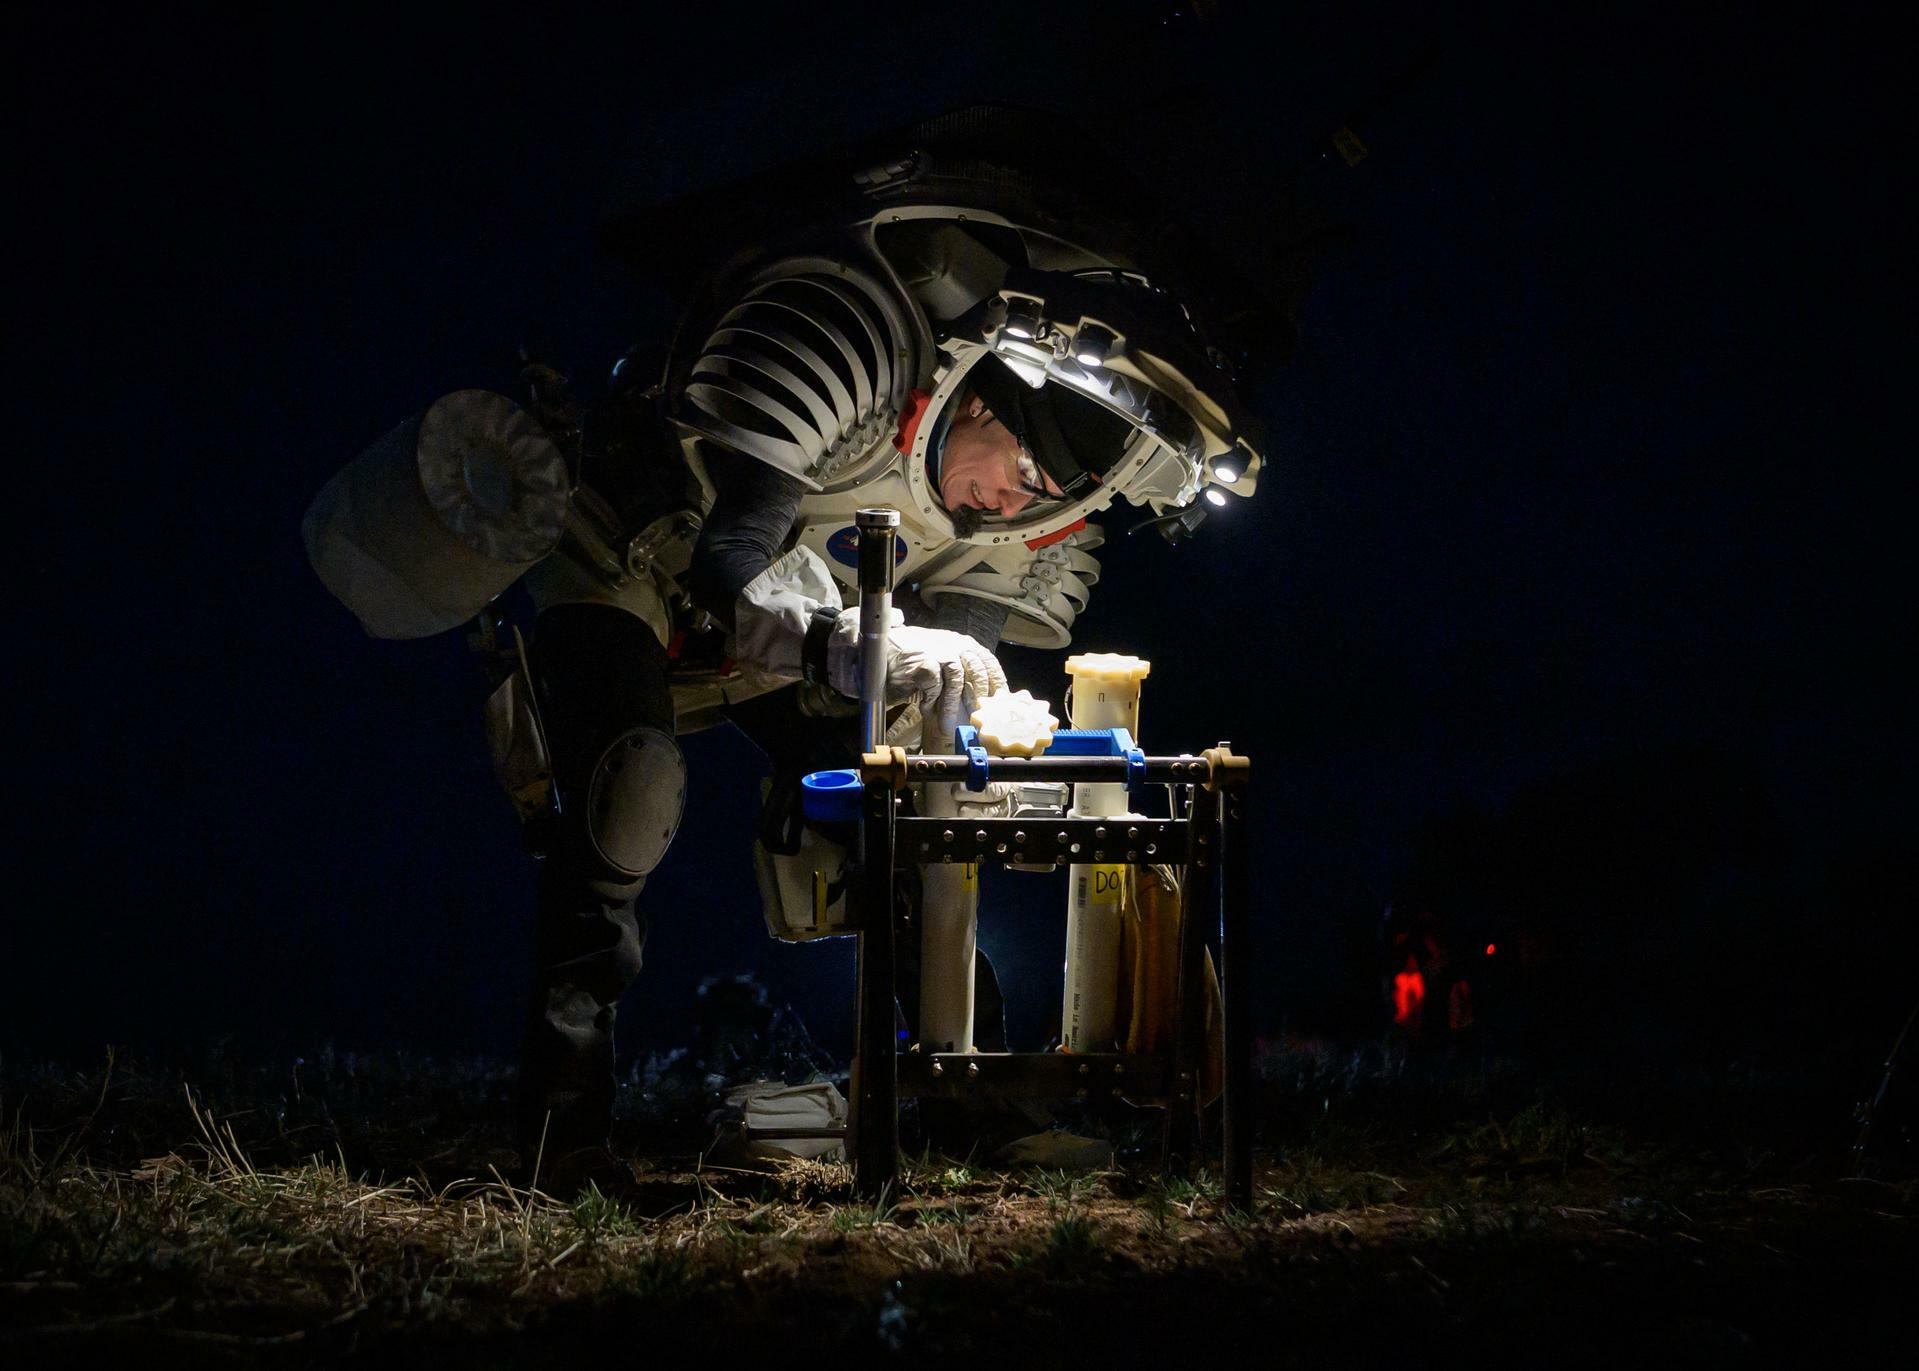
878, 533
875, 1115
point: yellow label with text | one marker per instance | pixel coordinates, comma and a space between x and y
1102, 885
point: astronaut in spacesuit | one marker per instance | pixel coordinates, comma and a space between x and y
603, 681
929, 337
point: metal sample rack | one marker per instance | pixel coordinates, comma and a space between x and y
1210, 842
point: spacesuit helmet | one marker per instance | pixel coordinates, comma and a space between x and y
1008, 445
862, 304
1098, 385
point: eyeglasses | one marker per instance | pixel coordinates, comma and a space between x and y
1031, 481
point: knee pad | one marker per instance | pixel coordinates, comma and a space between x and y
634, 802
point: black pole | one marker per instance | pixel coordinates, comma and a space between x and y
1198, 907
875, 1067
875, 1071
1236, 990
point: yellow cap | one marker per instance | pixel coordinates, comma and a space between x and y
1014, 724
1112, 667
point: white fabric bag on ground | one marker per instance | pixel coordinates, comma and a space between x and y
774, 1104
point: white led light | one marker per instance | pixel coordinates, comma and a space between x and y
1225, 471
1215, 495
1091, 345
1022, 319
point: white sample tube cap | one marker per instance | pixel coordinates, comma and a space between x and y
1116, 668
1014, 724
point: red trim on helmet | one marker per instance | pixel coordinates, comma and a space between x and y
916, 405
1057, 535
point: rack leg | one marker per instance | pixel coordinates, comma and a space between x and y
875, 1071
1197, 913
1236, 976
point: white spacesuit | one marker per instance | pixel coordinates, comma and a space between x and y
690, 542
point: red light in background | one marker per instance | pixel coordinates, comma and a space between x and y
1491, 948
1409, 992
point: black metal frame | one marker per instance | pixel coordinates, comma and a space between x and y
1210, 842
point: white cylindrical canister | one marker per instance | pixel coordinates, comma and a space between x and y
1105, 694
1011, 724
949, 933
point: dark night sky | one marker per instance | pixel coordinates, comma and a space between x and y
1594, 453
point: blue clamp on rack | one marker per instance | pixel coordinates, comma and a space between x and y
831, 796
1135, 760
1097, 742
834, 796
966, 739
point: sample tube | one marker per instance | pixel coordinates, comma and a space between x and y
1105, 694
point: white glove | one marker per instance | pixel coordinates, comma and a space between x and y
945, 671
773, 611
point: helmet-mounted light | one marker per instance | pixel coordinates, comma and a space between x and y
1022, 319
1126, 345
1092, 344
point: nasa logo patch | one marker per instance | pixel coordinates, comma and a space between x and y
844, 547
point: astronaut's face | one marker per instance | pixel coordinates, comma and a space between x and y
983, 465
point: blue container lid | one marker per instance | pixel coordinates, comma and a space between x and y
831, 796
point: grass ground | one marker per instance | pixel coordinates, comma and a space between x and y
367, 1212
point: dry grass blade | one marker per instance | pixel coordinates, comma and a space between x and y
265, 1245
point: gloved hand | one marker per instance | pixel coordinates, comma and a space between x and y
941, 669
